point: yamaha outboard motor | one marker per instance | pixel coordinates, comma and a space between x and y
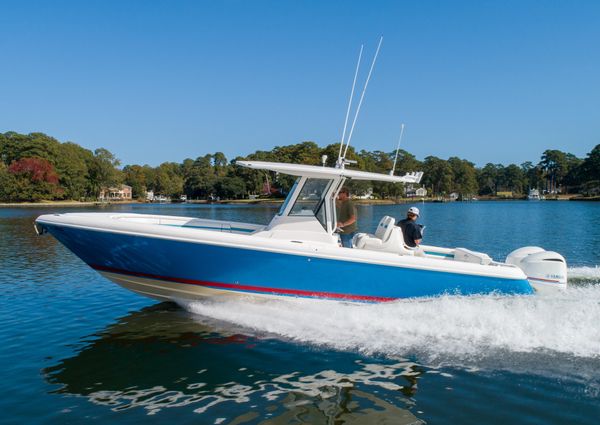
543, 268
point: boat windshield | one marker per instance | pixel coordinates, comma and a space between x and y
311, 198
287, 199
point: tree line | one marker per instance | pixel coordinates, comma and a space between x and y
36, 167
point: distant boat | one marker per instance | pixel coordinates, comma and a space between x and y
162, 199
534, 195
181, 199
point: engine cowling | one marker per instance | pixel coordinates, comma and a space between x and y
540, 265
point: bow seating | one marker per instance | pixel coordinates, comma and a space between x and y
387, 237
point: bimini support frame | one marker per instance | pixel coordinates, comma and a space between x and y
337, 176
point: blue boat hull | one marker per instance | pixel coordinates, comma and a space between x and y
237, 270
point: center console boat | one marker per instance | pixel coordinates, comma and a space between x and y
297, 254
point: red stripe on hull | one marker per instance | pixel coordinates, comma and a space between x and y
279, 291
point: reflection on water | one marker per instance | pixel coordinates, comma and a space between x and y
160, 358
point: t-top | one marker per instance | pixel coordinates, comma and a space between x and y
411, 231
345, 210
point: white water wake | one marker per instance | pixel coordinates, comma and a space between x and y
472, 329
589, 273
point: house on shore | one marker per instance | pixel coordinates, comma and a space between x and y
116, 193
411, 192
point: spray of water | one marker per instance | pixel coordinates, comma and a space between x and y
589, 274
470, 329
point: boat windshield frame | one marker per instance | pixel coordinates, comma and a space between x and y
314, 199
322, 208
337, 175
289, 197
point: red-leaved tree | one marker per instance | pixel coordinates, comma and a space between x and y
37, 169
36, 179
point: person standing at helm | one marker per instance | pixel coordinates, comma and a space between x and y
346, 217
411, 231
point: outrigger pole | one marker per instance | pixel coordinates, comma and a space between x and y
349, 105
397, 149
341, 158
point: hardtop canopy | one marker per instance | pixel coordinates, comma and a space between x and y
314, 171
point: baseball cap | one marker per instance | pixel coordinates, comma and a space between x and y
413, 210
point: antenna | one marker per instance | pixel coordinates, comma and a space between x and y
362, 96
397, 149
350, 104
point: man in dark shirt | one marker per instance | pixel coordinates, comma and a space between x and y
411, 231
346, 217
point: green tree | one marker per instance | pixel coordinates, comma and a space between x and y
73, 170
591, 165
514, 179
556, 166
254, 179
8, 184
490, 178
438, 175
103, 170
300, 153
406, 163
219, 164
202, 179
186, 168
15, 146
464, 175
230, 187
589, 172
168, 180
533, 175
135, 176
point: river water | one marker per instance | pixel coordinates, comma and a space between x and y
79, 349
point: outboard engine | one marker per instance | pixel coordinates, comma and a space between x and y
548, 268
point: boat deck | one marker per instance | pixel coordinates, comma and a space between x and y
191, 223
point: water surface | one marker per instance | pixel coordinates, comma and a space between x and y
79, 349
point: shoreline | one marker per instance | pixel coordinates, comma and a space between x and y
276, 201
60, 204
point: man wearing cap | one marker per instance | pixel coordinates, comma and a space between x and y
411, 231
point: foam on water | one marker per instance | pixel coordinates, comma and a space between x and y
584, 273
461, 328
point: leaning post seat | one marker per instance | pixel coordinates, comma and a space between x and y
387, 237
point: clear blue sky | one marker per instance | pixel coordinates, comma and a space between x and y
154, 81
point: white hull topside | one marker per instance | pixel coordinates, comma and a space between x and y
173, 228
445, 270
